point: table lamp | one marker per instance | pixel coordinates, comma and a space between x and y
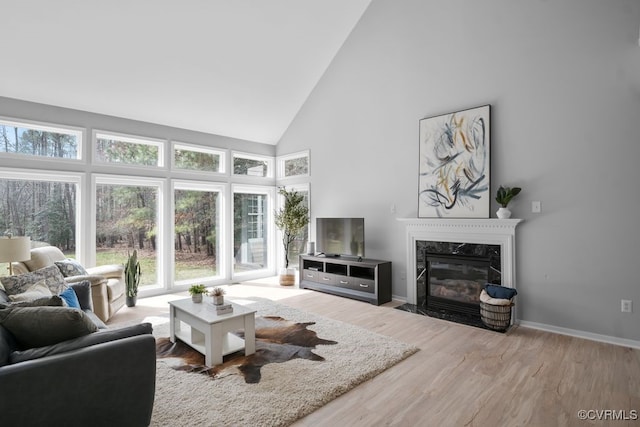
14, 249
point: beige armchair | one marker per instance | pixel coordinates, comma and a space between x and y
107, 281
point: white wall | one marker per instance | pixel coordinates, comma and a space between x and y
563, 80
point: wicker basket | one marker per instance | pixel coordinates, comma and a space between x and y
496, 317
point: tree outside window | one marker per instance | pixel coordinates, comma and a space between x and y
126, 219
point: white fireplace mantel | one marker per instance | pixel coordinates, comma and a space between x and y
483, 231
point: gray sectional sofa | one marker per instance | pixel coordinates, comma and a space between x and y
104, 377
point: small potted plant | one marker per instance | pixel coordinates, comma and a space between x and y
196, 292
132, 272
503, 197
218, 295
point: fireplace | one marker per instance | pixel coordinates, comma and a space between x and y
450, 260
452, 274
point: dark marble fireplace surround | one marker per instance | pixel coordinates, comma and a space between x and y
450, 260
450, 276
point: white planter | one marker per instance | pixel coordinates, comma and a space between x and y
503, 213
196, 297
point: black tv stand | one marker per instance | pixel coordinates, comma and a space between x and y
358, 278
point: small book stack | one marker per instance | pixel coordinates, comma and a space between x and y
224, 309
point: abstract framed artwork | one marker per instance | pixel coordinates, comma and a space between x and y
454, 170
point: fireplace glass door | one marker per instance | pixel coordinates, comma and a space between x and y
454, 282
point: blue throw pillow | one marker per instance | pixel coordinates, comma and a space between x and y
501, 292
70, 297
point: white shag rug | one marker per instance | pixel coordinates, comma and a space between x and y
287, 391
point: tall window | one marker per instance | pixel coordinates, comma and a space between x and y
299, 245
251, 228
198, 233
44, 209
31, 139
127, 218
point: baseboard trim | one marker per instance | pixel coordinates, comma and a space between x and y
564, 331
398, 298
581, 334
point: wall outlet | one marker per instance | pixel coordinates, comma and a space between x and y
626, 306
536, 207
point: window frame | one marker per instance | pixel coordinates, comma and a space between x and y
270, 267
281, 161
259, 157
201, 149
140, 181
78, 132
131, 139
79, 179
301, 187
222, 189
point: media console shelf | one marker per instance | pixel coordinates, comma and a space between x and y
365, 280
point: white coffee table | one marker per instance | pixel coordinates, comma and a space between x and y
210, 333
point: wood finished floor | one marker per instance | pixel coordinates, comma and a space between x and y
462, 376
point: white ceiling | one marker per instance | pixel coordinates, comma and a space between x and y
239, 68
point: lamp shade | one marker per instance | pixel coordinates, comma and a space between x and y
15, 249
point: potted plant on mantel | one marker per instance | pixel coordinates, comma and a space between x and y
132, 273
196, 292
503, 197
291, 219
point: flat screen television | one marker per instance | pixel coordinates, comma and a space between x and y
340, 236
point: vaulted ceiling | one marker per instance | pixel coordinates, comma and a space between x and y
238, 68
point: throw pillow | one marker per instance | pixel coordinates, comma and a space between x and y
52, 301
83, 292
33, 292
501, 292
50, 274
70, 297
41, 326
70, 267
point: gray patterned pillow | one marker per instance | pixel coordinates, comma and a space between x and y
38, 290
52, 301
70, 267
19, 284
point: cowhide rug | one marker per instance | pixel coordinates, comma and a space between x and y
320, 359
277, 341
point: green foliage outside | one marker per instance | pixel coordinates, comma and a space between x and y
196, 160
114, 151
42, 210
37, 143
252, 167
296, 167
